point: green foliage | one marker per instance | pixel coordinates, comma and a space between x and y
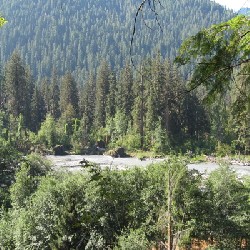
223, 149
27, 179
120, 124
217, 51
157, 113
18, 88
9, 159
22, 188
134, 240
230, 203
86, 39
38, 165
6, 230
47, 134
98, 208
56, 205
221, 58
102, 92
69, 97
161, 142
131, 141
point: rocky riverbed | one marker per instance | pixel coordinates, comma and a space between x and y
72, 163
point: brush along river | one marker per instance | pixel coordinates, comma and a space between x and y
72, 163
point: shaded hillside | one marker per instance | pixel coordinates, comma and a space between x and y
76, 35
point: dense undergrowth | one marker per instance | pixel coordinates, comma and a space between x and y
103, 209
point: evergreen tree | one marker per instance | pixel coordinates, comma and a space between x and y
16, 86
88, 103
66, 42
28, 99
125, 94
111, 98
69, 96
45, 91
195, 119
158, 93
240, 111
38, 111
139, 111
102, 91
176, 94
166, 95
54, 96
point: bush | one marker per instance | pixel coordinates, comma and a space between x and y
223, 149
133, 240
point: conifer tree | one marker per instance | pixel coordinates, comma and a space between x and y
176, 93
88, 103
195, 120
140, 93
111, 98
69, 95
38, 111
157, 92
17, 84
125, 94
29, 93
54, 96
102, 90
45, 91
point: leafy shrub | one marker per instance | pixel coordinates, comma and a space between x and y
133, 240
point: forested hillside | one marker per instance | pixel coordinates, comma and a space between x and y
57, 44
77, 35
67, 87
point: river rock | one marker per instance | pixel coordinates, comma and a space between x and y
59, 150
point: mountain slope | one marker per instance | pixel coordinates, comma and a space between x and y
77, 35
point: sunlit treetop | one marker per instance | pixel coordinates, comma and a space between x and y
218, 54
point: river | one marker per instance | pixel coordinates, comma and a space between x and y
72, 163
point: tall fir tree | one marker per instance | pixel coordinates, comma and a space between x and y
102, 91
140, 92
111, 98
45, 91
54, 96
125, 95
38, 111
175, 93
29, 93
88, 103
69, 99
194, 117
18, 87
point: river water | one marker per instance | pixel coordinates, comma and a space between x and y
72, 163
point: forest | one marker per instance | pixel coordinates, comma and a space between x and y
149, 110
77, 36
113, 209
64, 84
